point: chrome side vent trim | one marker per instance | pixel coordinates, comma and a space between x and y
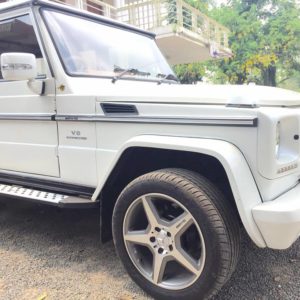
119, 109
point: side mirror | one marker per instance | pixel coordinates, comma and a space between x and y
18, 66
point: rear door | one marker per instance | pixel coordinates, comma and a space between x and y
28, 132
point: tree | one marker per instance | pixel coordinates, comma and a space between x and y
190, 73
265, 38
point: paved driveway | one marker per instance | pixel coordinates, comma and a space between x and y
47, 253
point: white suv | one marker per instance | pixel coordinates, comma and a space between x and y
91, 114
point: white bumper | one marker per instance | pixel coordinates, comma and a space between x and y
279, 220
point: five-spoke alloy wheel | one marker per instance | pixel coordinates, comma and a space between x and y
170, 250
176, 234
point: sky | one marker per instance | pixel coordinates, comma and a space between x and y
219, 2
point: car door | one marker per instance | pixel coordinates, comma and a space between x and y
28, 132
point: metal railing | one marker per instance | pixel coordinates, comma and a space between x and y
94, 6
152, 14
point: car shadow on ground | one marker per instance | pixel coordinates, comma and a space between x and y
62, 248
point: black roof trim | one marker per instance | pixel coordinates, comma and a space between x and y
83, 13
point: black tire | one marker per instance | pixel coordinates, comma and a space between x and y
213, 213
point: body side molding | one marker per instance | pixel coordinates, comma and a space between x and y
27, 117
213, 121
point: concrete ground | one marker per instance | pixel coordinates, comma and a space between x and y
48, 253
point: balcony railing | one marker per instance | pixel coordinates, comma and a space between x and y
95, 6
153, 14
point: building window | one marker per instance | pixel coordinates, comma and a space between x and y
94, 7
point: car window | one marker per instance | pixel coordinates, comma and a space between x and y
17, 35
104, 50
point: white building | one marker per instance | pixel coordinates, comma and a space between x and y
184, 34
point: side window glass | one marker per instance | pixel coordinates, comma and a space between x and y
17, 35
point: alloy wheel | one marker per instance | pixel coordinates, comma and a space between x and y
164, 241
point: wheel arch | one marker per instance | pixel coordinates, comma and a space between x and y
219, 161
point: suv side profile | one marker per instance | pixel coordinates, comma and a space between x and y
91, 114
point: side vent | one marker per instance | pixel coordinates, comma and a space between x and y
119, 109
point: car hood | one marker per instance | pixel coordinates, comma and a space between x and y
235, 95
254, 95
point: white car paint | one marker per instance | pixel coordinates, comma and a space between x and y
82, 145
241, 180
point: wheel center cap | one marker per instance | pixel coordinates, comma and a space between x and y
162, 239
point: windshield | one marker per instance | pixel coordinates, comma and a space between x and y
91, 48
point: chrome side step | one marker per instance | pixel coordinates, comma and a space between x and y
45, 197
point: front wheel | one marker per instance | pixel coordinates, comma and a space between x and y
176, 235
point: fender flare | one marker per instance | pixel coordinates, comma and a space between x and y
241, 180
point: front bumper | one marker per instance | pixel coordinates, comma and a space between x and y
279, 220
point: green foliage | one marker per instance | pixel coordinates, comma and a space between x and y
265, 40
292, 82
202, 5
190, 73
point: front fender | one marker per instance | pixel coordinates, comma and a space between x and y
241, 180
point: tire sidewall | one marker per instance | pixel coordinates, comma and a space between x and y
213, 263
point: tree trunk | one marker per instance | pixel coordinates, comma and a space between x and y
269, 76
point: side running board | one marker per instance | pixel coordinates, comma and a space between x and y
51, 198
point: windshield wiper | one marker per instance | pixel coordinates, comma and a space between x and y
130, 71
166, 78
